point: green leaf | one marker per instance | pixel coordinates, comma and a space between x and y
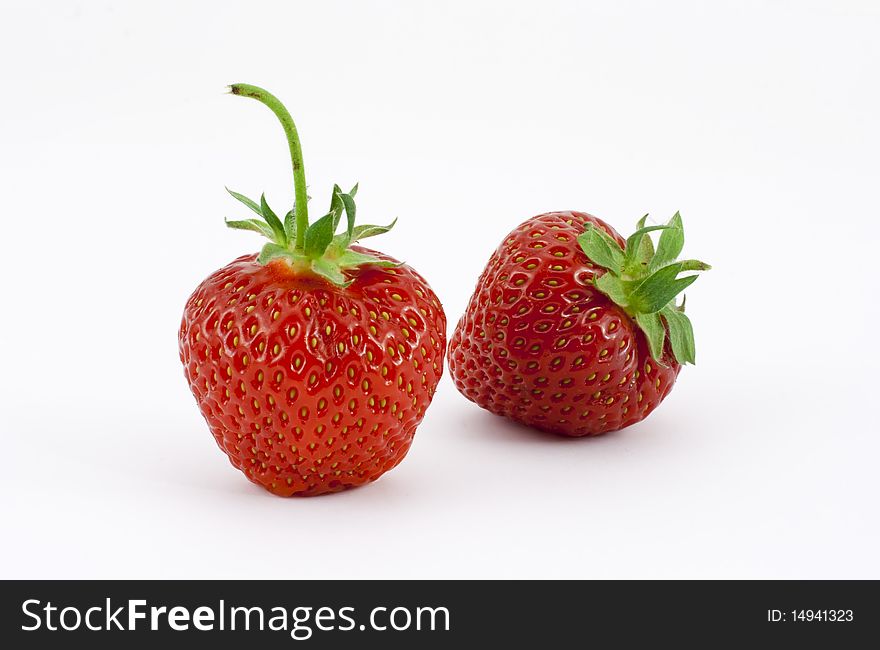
353, 191
272, 251
645, 252
655, 332
318, 236
646, 246
692, 265
248, 202
254, 225
612, 286
290, 224
670, 244
336, 206
353, 258
681, 334
601, 248
639, 250
273, 221
362, 232
654, 292
634, 240
348, 204
329, 270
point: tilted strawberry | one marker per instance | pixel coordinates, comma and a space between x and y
314, 361
573, 330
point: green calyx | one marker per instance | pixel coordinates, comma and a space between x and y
314, 247
645, 281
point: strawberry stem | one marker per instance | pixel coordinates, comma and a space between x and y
296, 157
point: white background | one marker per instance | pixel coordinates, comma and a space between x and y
758, 120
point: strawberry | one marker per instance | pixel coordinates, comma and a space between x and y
314, 361
573, 330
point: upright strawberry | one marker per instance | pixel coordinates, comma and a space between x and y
573, 330
314, 361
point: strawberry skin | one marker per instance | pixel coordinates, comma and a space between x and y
309, 387
540, 344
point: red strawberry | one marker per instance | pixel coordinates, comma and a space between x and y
573, 330
313, 363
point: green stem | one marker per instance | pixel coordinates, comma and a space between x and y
296, 157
